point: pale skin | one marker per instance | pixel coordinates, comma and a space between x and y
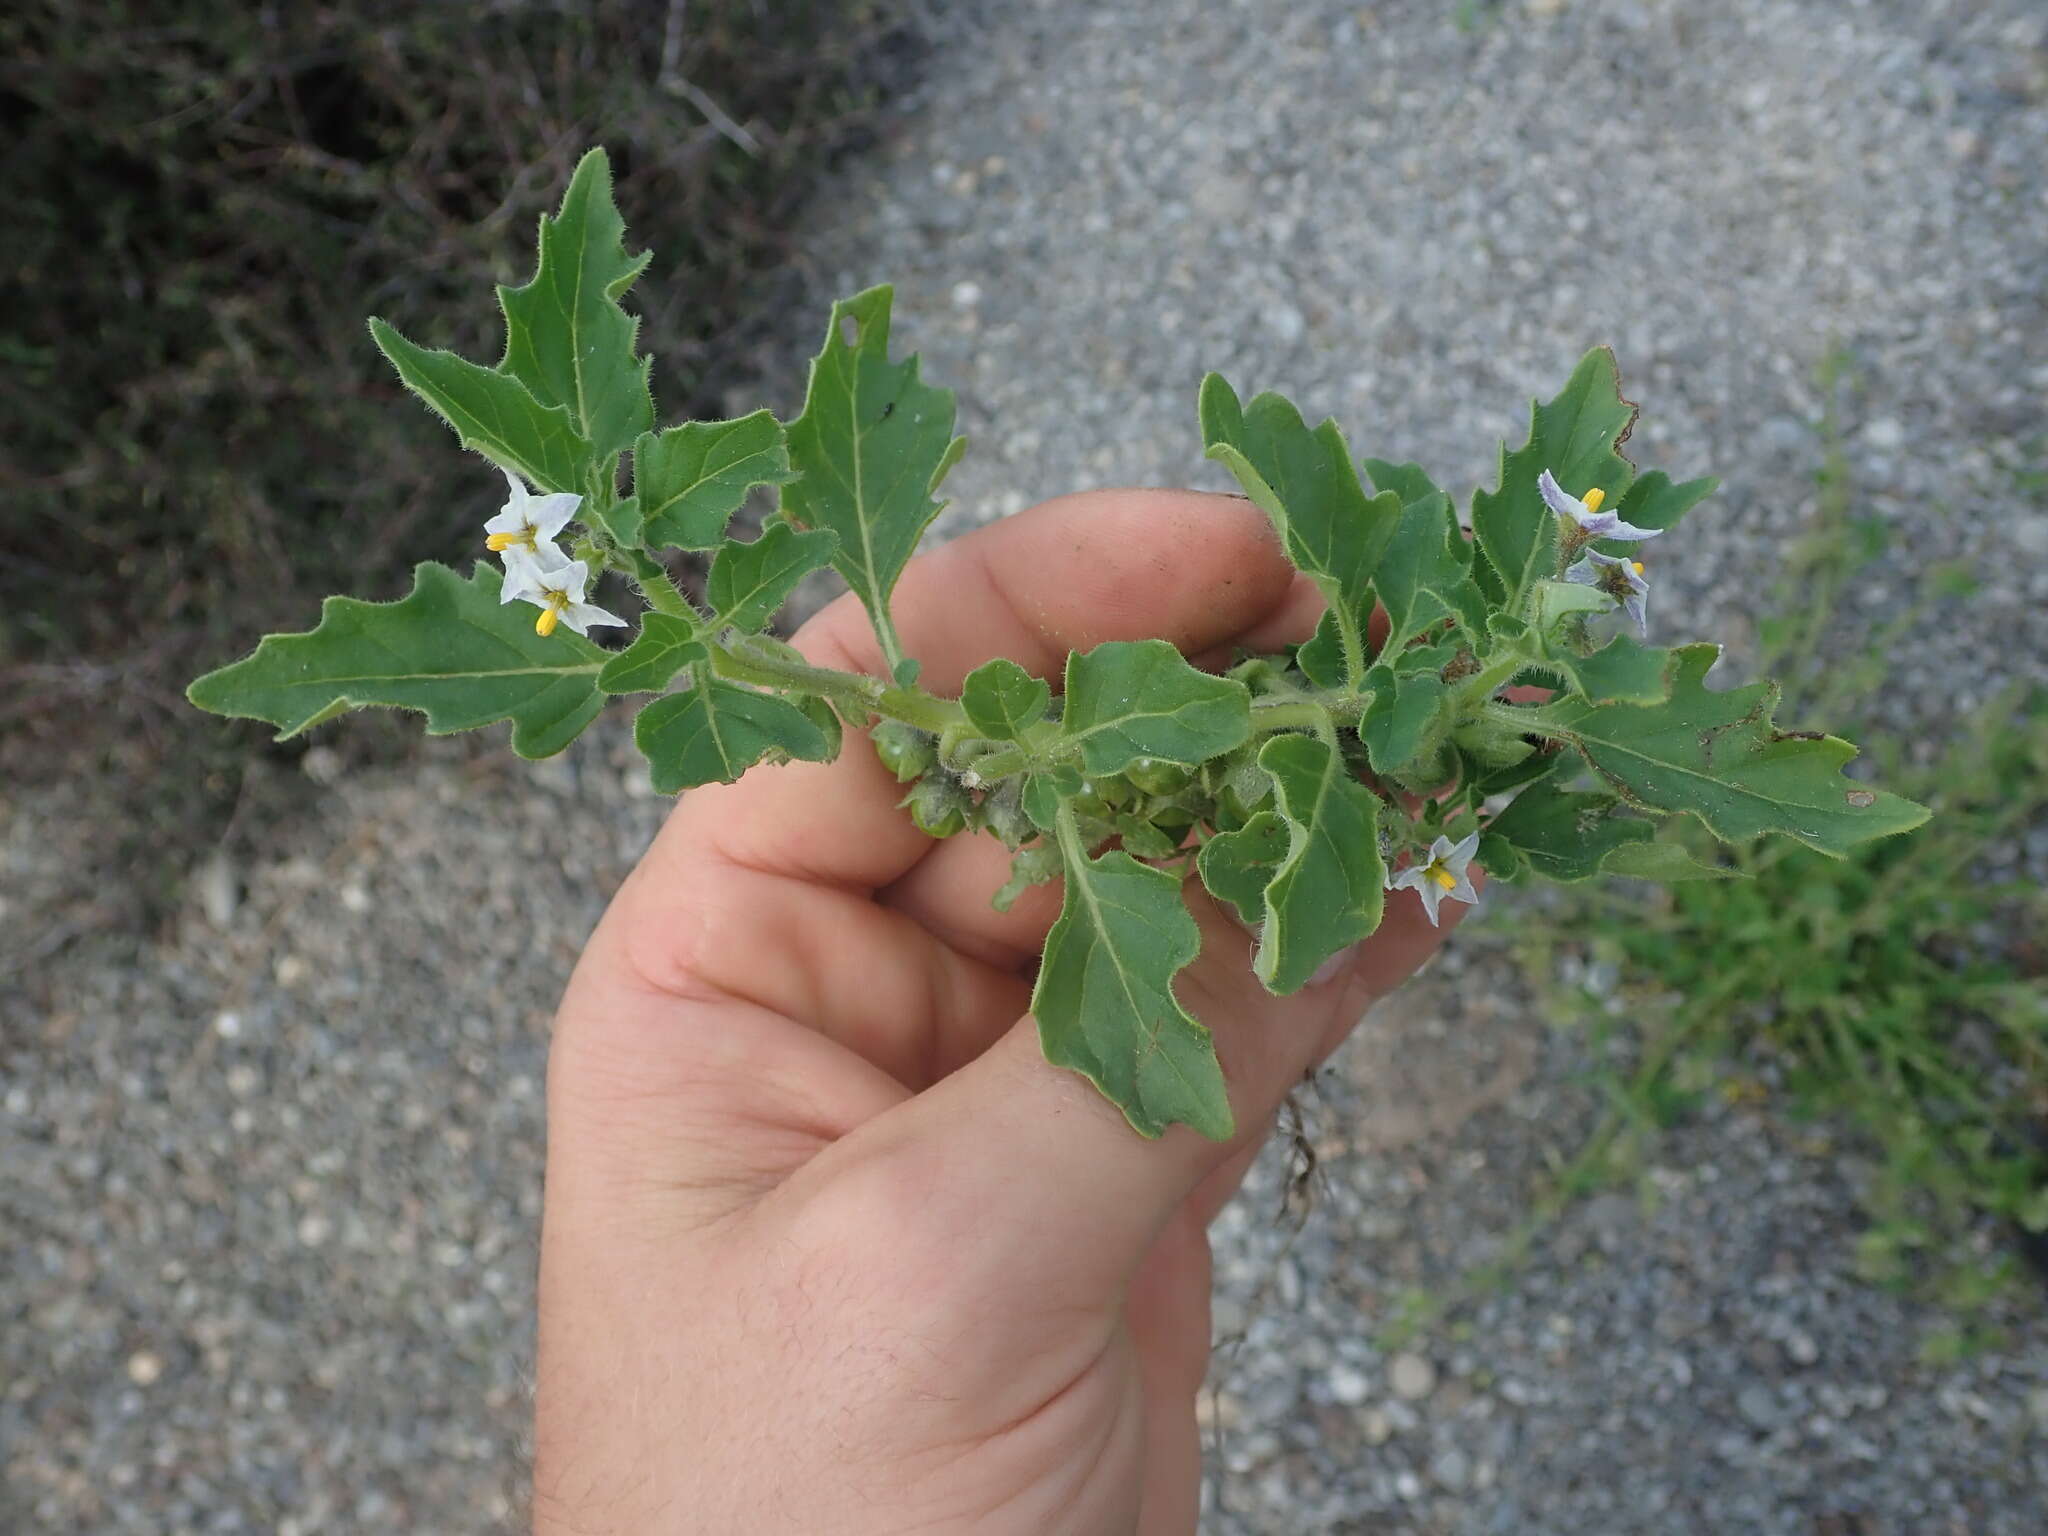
828, 1247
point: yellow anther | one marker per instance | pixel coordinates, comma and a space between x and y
499, 542
1593, 498
1636, 566
1443, 877
549, 618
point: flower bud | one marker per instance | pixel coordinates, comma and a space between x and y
904, 750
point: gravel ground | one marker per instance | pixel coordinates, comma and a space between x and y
269, 1176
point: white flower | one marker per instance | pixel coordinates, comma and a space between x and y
1621, 580
557, 590
1590, 522
525, 530
1443, 873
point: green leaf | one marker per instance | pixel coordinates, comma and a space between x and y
1142, 840
1425, 575
689, 480
1329, 890
1620, 672
1570, 835
1043, 793
1306, 482
448, 649
1397, 725
1565, 835
664, 646
1321, 656
1028, 867
821, 714
566, 338
872, 445
1719, 757
1238, 866
1104, 998
492, 413
1128, 699
1655, 501
1669, 863
1553, 601
750, 582
1002, 700
622, 521
1573, 436
718, 730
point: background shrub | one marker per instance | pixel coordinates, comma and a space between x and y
205, 200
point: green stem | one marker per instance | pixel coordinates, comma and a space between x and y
662, 594
1525, 719
1490, 678
1290, 715
1353, 642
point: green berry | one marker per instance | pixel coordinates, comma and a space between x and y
904, 750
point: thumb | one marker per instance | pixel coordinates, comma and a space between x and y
1067, 1172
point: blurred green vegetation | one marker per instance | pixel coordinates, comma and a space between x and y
203, 203
1892, 1005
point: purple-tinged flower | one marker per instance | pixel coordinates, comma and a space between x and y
1588, 521
1444, 872
1620, 579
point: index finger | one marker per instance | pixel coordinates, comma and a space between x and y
1185, 566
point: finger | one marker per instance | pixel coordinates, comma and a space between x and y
813, 840
1068, 574
949, 889
1071, 1170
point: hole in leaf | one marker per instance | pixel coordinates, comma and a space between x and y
849, 330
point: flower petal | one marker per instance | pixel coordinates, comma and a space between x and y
1440, 850
550, 514
1406, 879
583, 617
1431, 893
523, 577
1461, 853
1558, 500
1617, 529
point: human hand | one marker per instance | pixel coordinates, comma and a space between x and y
828, 1247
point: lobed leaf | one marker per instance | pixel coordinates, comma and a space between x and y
872, 445
1398, 725
1128, 699
1002, 700
1719, 757
492, 413
1620, 672
1104, 996
566, 337
717, 730
749, 583
448, 649
1425, 575
1238, 866
689, 480
1307, 484
1574, 436
665, 645
1570, 835
1329, 890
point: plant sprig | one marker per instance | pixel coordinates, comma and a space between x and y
1288, 785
